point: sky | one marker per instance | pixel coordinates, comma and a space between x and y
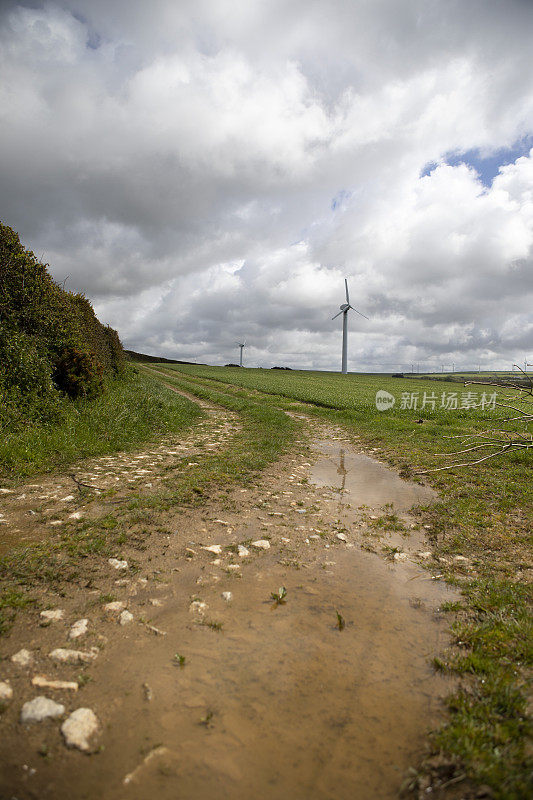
209, 171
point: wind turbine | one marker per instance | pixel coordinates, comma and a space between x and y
344, 311
242, 345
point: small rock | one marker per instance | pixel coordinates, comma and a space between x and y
213, 548
67, 499
341, 537
400, 556
242, 551
261, 544
314, 536
427, 527
221, 522
117, 563
78, 629
285, 540
461, 560
80, 728
216, 562
154, 601
425, 554
228, 597
76, 515
65, 656
114, 607
6, 691
56, 522
372, 516
44, 683
198, 607
125, 618
41, 708
233, 567
6, 491
23, 658
52, 615
157, 631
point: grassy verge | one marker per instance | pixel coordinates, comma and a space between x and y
484, 516
132, 410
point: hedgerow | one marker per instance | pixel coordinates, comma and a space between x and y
52, 346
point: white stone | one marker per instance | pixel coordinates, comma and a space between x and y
6, 491
216, 562
228, 597
6, 691
56, 522
221, 522
461, 560
261, 544
52, 615
117, 564
125, 618
23, 658
341, 537
44, 683
198, 607
233, 567
400, 556
80, 728
425, 554
79, 628
41, 708
65, 656
213, 548
285, 540
76, 515
242, 551
114, 607
67, 499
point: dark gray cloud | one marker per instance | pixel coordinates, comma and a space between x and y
208, 170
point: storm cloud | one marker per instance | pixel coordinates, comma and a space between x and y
211, 170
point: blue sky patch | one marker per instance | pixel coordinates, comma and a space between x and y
486, 166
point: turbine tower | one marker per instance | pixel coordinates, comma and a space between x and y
344, 311
242, 345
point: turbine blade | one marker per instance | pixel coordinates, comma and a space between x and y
359, 312
347, 295
337, 315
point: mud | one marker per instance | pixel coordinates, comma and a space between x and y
273, 700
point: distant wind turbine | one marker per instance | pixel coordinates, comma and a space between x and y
344, 311
242, 345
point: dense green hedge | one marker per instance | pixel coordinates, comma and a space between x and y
51, 343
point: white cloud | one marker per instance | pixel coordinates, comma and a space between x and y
179, 163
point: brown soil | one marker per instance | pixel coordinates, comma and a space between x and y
273, 700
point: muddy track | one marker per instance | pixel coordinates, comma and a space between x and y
202, 684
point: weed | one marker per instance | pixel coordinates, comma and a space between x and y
341, 624
279, 597
178, 660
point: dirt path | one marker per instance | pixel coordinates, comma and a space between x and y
206, 686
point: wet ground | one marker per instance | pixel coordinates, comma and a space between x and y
328, 694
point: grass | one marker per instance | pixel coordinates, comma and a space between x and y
133, 410
485, 514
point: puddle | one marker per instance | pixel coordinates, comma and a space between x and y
366, 481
